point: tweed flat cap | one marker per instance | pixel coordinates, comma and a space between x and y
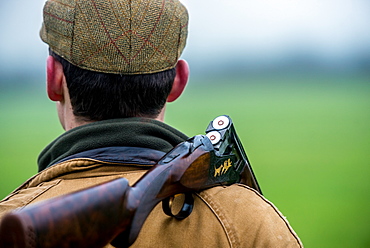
116, 36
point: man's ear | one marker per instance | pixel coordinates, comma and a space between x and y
181, 79
54, 79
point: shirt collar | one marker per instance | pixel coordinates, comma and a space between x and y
128, 132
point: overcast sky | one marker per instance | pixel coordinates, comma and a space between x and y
263, 30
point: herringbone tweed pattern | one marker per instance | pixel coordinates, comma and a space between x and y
116, 36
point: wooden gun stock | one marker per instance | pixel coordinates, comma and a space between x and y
114, 211
86, 218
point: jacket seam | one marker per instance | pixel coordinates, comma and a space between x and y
43, 191
281, 216
34, 177
216, 214
101, 162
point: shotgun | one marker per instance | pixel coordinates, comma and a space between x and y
114, 212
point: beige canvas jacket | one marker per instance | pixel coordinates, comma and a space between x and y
232, 216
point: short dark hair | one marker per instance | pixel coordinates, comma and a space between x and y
100, 96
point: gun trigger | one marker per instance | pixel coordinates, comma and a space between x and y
187, 206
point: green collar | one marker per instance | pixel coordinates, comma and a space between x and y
133, 132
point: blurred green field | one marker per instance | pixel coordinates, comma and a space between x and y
308, 140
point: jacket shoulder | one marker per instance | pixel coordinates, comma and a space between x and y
233, 216
248, 218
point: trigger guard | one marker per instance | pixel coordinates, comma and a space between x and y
186, 208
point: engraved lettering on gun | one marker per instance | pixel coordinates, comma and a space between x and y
223, 168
